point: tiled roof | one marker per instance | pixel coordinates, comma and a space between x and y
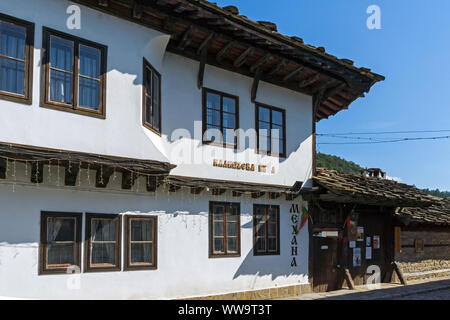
438, 214
355, 188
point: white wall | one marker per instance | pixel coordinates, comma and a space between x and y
184, 269
121, 133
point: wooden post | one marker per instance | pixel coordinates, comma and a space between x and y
348, 278
399, 273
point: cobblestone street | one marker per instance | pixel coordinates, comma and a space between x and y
435, 295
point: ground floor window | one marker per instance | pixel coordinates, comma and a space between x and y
224, 229
103, 234
266, 230
60, 242
141, 242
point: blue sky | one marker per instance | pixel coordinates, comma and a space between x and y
412, 51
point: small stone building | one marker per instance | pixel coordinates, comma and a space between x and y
424, 249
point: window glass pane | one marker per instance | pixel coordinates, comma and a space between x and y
218, 213
229, 120
232, 213
229, 105
264, 128
213, 117
60, 86
218, 245
89, 93
12, 40
232, 245
60, 229
232, 229
218, 229
148, 81
261, 244
90, 62
141, 253
213, 134
264, 144
141, 230
61, 254
277, 117
156, 101
148, 110
277, 146
212, 101
229, 136
12, 76
277, 131
272, 244
261, 229
61, 53
272, 229
273, 212
103, 253
264, 114
103, 230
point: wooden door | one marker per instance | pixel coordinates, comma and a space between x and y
326, 277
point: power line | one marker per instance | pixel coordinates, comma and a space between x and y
386, 132
389, 141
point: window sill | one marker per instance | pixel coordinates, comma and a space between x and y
147, 126
80, 111
15, 98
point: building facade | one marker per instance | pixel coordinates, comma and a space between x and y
115, 178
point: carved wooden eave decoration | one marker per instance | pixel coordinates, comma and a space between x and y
221, 37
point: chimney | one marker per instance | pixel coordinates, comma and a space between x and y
374, 173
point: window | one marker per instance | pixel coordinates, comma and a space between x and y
271, 128
220, 116
224, 229
266, 230
151, 98
419, 246
102, 242
74, 74
141, 243
60, 242
16, 59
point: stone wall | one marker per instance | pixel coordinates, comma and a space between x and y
433, 262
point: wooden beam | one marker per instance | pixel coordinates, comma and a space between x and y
290, 196
137, 10
280, 66
255, 84
274, 195
331, 92
71, 174
399, 273
201, 68
293, 73
309, 81
206, 43
225, 50
241, 59
152, 184
323, 86
260, 63
197, 190
102, 176
186, 39
128, 180
256, 195
37, 172
103, 3
173, 188
218, 192
348, 278
237, 194
2, 168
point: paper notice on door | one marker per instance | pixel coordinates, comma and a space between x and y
368, 253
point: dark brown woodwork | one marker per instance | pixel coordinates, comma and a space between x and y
399, 273
225, 50
128, 179
236, 194
309, 81
218, 192
243, 57
201, 68
331, 92
274, 195
256, 195
71, 171
255, 84
37, 171
137, 9
326, 275
173, 188
152, 183
197, 190
206, 43
291, 196
102, 176
280, 66
293, 73
2, 168
186, 39
348, 279
322, 87
260, 63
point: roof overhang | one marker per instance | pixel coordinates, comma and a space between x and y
203, 31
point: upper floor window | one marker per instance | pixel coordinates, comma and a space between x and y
224, 229
271, 128
74, 74
60, 242
220, 118
16, 59
151, 98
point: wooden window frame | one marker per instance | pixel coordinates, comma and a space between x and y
27, 97
266, 252
43, 267
271, 108
213, 254
88, 267
147, 125
128, 266
419, 246
204, 117
45, 75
